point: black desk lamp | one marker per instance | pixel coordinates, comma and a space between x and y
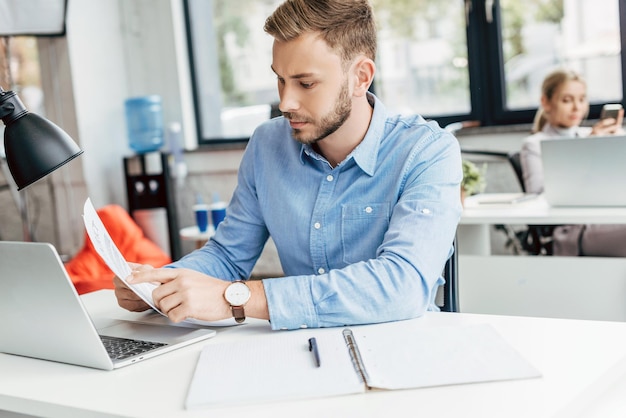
34, 146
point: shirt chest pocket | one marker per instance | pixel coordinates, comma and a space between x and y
362, 229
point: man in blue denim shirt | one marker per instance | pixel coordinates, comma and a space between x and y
362, 206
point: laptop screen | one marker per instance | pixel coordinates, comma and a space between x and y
587, 172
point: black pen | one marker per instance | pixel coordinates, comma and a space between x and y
315, 350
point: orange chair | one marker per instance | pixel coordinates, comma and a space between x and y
89, 272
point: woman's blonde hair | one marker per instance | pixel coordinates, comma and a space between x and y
347, 26
551, 84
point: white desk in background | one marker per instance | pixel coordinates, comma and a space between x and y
561, 287
478, 216
573, 356
193, 233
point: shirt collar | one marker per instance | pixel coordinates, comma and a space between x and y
564, 132
365, 154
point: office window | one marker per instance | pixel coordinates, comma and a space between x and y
422, 56
449, 60
539, 36
513, 45
231, 58
20, 70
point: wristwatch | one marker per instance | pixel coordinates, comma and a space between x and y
237, 295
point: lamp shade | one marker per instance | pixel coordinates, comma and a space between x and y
34, 146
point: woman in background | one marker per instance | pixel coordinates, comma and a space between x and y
564, 105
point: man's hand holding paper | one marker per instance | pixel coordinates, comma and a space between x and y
183, 293
126, 296
138, 286
106, 248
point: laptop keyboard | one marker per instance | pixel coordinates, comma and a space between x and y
122, 348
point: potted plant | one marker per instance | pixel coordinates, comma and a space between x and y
473, 179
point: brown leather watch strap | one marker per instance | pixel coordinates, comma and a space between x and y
238, 313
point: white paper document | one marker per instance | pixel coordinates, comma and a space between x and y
397, 355
106, 248
108, 251
502, 198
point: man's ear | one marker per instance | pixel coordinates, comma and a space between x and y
364, 70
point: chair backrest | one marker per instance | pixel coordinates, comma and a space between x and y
513, 157
516, 165
450, 288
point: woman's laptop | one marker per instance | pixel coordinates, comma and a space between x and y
43, 316
585, 171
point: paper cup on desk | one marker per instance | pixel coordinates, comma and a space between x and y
202, 216
218, 213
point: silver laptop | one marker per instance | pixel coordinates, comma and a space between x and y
43, 316
585, 171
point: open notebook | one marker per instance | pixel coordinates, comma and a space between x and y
396, 355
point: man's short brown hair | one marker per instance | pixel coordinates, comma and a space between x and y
347, 26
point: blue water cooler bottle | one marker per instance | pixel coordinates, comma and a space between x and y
144, 120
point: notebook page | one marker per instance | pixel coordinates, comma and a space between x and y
277, 367
398, 356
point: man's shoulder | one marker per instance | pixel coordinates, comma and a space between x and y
416, 127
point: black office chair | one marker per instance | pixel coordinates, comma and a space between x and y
537, 239
532, 239
448, 300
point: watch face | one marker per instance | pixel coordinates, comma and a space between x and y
237, 294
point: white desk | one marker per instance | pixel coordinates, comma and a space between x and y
561, 287
478, 217
192, 233
572, 355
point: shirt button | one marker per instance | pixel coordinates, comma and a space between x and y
303, 326
330, 177
317, 225
321, 270
368, 209
426, 211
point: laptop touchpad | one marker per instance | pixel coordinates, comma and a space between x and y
155, 333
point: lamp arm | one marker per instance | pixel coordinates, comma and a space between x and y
5, 107
11, 107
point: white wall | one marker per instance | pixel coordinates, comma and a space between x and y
120, 49
95, 50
